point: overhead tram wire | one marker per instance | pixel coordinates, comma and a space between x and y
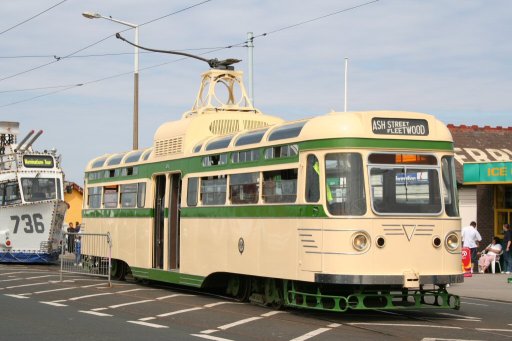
242, 44
33, 17
57, 58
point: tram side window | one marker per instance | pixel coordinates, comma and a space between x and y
244, 188
450, 188
192, 191
36, 189
94, 197
213, 190
280, 186
281, 151
10, 193
110, 196
312, 179
344, 182
129, 195
141, 195
214, 160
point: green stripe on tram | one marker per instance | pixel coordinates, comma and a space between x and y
168, 276
233, 211
194, 164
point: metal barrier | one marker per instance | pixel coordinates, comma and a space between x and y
86, 254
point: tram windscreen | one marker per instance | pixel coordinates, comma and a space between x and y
37, 189
405, 190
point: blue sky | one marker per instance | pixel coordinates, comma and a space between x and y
448, 58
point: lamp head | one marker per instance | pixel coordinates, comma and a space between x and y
90, 15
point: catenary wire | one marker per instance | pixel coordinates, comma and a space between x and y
32, 17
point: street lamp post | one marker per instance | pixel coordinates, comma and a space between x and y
90, 15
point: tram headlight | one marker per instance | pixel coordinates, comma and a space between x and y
452, 241
360, 241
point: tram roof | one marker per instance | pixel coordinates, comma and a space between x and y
209, 133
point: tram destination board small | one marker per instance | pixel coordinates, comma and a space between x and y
399, 126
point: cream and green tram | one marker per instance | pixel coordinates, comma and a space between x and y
342, 211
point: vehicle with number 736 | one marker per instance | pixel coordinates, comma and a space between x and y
32, 208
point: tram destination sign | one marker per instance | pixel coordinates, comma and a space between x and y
399, 126
38, 161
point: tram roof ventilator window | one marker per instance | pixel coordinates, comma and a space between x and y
287, 131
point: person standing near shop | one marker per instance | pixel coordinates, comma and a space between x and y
508, 248
471, 239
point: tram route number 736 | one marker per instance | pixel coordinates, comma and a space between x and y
32, 223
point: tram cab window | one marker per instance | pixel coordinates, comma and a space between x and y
405, 187
280, 186
36, 189
449, 186
94, 197
213, 190
110, 196
312, 179
244, 188
9, 193
344, 183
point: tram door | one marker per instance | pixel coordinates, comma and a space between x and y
174, 221
158, 228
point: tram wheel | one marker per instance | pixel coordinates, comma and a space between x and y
239, 287
118, 270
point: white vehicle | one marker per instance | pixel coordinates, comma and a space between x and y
32, 208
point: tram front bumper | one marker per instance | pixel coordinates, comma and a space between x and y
395, 280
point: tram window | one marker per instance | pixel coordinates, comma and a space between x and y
312, 179
197, 148
405, 190
344, 183
281, 151
449, 186
94, 197
286, 132
115, 160
213, 190
147, 155
36, 189
141, 195
244, 188
214, 160
280, 186
250, 138
133, 157
110, 197
245, 156
192, 191
129, 171
390, 159
98, 163
129, 195
219, 143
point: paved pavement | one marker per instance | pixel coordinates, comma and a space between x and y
485, 286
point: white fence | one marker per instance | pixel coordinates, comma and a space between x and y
87, 254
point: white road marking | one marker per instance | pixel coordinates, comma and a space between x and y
87, 296
99, 309
272, 313
311, 334
45, 291
463, 317
494, 330
23, 272
211, 305
93, 285
129, 303
35, 277
55, 304
147, 318
27, 285
153, 325
237, 323
12, 279
210, 337
171, 296
15, 296
179, 312
401, 325
132, 290
94, 313
480, 304
436, 339
209, 331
